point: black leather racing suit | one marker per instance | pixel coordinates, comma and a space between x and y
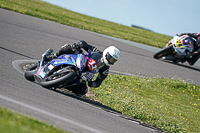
196, 53
103, 71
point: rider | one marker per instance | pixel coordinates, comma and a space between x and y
196, 52
109, 56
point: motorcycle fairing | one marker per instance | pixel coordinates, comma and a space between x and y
40, 72
180, 48
80, 61
69, 59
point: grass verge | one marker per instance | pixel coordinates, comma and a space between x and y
57, 14
172, 105
11, 122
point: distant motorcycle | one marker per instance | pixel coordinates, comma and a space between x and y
178, 50
62, 72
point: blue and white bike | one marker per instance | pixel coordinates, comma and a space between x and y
64, 71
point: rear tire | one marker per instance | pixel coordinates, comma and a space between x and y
29, 73
59, 81
164, 52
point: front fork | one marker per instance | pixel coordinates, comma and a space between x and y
174, 52
47, 53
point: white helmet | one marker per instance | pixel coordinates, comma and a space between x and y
111, 55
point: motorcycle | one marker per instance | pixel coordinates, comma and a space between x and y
180, 48
62, 72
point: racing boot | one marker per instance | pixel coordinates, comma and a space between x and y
183, 60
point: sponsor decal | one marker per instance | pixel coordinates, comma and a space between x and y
73, 60
92, 64
39, 70
50, 67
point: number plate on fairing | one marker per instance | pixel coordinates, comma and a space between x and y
50, 67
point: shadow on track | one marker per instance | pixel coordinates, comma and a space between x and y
84, 98
183, 65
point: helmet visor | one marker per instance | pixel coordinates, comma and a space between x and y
110, 59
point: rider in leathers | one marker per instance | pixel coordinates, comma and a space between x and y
82, 89
196, 53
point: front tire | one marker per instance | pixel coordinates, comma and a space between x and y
59, 81
29, 73
164, 52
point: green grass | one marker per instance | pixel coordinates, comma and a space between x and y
172, 105
50, 12
11, 122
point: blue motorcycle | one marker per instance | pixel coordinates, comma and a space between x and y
64, 71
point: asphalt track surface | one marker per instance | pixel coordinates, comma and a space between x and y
24, 38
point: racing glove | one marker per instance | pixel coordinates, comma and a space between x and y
50, 57
77, 46
82, 44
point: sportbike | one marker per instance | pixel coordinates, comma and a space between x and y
178, 50
62, 72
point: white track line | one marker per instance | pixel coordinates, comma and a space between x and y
50, 114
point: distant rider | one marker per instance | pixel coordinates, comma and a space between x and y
108, 57
193, 57
196, 51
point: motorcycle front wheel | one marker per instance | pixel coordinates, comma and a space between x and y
56, 80
164, 52
29, 73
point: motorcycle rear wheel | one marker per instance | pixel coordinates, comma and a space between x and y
164, 52
50, 82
